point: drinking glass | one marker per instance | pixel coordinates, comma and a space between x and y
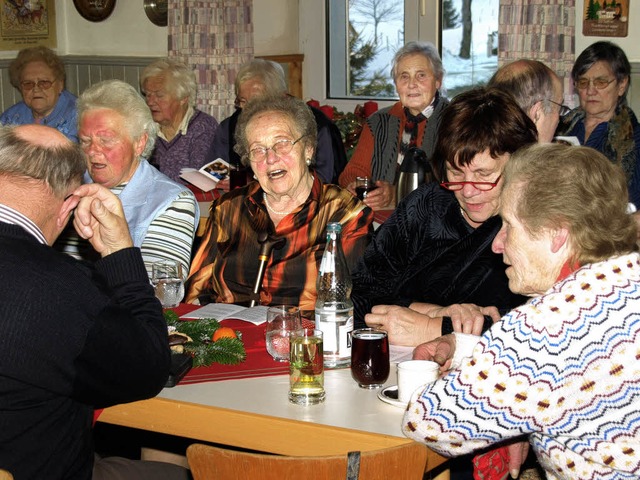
369, 357
166, 277
306, 367
282, 321
364, 185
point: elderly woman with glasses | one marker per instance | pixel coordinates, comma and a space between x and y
264, 78
287, 204
38, 73
430, 268
604, 120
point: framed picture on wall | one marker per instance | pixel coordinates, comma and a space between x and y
27, 23
606, 18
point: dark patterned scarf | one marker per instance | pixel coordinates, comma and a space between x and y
619, 146
410, 134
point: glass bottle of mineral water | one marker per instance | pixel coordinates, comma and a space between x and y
334, 309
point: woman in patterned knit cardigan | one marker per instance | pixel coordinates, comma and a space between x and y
561, 370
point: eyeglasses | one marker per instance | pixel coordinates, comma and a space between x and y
100, 141
280, 148
28, 85
482, 186
564, 110
599, 83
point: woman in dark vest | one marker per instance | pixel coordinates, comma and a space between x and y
411, 122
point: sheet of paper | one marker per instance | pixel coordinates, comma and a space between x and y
196, 178
567, 140
255, 315
222, 311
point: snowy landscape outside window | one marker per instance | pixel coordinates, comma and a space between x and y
363, 36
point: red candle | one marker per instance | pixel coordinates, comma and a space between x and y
327, 110
313, 103
370, 107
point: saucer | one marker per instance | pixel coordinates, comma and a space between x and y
390, 395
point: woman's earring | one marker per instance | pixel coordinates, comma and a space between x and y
308, 162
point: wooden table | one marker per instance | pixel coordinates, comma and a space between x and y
255, 413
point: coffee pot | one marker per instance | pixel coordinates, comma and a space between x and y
414, 171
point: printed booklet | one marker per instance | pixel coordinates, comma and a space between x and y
222, 311
207, 177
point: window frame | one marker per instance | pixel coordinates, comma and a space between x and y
313, 31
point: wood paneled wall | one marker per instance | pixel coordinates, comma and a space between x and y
81, 71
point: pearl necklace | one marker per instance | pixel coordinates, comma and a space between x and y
266, 202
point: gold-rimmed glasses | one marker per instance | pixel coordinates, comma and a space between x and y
29, 85
280, 148
599, 83
482, 186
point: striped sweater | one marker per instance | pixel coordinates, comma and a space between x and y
563, 369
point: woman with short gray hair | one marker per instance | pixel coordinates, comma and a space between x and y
116, 132
410, 123
38, 73
185, 134
561, 371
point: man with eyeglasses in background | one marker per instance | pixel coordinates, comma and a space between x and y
537, 90
604, 121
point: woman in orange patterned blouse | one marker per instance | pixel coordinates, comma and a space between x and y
276, 137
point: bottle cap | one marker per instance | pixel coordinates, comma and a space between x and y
334, 227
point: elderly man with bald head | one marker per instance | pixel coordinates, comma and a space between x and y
537, 90
71, 338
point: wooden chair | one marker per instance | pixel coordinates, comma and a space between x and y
211, 463
4, 475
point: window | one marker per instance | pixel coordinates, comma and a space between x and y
363, 35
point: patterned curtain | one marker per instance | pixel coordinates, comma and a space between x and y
215, 38
540, 30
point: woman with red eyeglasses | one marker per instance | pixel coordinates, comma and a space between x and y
38, 73
432, 258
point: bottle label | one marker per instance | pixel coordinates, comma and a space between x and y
336, 329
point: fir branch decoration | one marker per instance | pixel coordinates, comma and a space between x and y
226, 351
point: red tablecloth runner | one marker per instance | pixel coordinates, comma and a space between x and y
202, 196
257, 364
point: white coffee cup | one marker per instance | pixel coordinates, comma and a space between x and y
413, 374
465, 343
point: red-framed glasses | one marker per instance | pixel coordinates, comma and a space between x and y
482, 186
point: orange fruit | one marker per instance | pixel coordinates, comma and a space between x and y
223, 332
